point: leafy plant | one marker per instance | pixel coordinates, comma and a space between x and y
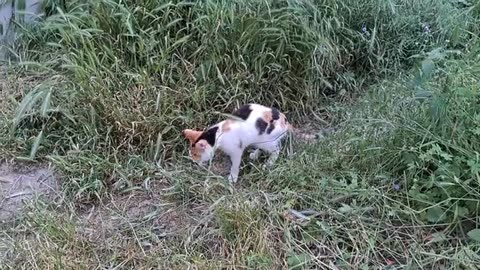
437, 147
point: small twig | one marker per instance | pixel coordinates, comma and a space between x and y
298, 214
4, 180
18, 194
311, 213
91, 213
9, 190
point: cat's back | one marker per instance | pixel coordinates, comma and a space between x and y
261, 119
251, 112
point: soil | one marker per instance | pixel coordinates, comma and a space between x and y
21, 186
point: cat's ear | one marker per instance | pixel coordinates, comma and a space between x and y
191, 135
202, 144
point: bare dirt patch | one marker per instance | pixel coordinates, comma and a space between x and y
123, 214
22, 185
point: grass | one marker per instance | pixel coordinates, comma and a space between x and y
102, 89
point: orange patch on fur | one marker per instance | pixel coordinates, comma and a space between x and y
267, 116
227, 125
191, 135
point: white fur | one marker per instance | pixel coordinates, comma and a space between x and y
245, 134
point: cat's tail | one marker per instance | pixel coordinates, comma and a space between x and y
302, 135
307, 136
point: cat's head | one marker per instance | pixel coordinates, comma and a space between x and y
200, 145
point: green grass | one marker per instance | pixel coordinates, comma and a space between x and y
102, 90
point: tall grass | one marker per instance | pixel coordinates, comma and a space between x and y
133, 62
435, 151
125, 77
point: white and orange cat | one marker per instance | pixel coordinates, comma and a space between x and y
255, 126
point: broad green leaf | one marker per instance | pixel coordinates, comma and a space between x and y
297, 261
438, 237
35, 145
462, 211
345, 209
427, 68
435, 214
422, 94
474, 234
46, 103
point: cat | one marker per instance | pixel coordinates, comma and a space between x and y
252, 125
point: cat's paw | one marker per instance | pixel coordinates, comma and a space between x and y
254, 155
232, 179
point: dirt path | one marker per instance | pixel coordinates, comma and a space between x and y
20, 186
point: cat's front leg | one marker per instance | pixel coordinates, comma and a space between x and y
235, 167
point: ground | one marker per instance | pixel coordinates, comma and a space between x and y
144, 221
23, 185
382, 188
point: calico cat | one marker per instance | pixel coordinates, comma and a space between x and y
255, 126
